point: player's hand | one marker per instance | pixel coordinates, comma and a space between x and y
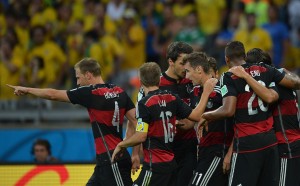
202, 125
118, 152
200, 131
209, 85
207, 116
226, 163
18, 90
135, 164
239, 71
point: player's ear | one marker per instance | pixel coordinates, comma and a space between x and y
217, 74
88, 75
227, 60
171, 62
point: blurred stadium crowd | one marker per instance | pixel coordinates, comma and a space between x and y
41, 40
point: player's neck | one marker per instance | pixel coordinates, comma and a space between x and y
171, 74
149, 89
97, 80
237, 63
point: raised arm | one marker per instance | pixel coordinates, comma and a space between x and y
199, 110
45, 93
267, 95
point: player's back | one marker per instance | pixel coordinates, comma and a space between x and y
253, 118
160, 109
286, 123
107, 105
218, 136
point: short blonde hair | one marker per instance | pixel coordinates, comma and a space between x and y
89, 65
150, 74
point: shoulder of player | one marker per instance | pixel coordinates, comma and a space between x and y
217, 89
81, 88
226, 76
158, 95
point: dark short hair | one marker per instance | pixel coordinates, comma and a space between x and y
257, 55
197, 59
42, 142
89, 65
235, 50
254, 55
267, 58
213, 63
150, 74
177, 48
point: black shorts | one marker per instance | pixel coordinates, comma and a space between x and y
186, 159
255, 168
147, 177
289, 172
209, 172
107, 175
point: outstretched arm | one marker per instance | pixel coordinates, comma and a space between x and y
45, 93
267, 95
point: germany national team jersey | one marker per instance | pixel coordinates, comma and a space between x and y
286, 123
106, 104
253, 129
160, 109
215, 141
183, 89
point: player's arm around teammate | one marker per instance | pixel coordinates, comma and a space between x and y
266, 94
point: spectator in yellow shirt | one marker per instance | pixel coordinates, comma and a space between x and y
40, 14
53, 56
22, 31
93, 49
253, 36
210, 13
10, 68
36, 72
133, 40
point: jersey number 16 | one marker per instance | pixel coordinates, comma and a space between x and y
168, 127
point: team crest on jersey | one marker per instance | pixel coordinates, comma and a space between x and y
209, 104
224, 90
189, 88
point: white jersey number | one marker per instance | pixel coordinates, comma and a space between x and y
116, 117
168, 127
261, 105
